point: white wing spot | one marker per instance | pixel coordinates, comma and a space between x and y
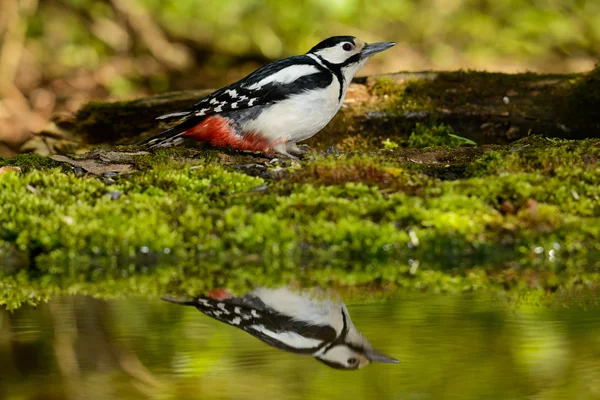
175, 114
236, 321
251, 102
232, 93
217, 313
204, 302
242, 98
222, 307
213, 100
255, 314
237, 310
218, 109
234, 106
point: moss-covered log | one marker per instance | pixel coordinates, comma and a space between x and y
484, 107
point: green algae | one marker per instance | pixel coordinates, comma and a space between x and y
520, 216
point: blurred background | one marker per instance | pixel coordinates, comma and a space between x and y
57, 54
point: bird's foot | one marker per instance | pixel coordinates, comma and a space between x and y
293, 148
283, 151
332, 150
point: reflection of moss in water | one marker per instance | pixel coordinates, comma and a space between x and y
525, 215
515, 352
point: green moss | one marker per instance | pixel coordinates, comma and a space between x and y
399, 97
436, 135
522, 216
28, 162
387, 87
536, 153
584, 101
174, 157
369, 170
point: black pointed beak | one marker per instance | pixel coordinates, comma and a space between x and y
373, 48
375, 356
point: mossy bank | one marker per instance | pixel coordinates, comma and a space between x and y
526, 215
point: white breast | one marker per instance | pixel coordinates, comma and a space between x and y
298, 117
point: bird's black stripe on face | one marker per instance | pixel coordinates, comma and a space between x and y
331, 42
336, 365
340, 339
336, 69
354, 59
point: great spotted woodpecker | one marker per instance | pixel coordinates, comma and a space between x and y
277, 106
297, 322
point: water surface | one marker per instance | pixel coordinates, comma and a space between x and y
450, 347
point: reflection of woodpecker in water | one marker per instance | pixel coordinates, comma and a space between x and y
298, 322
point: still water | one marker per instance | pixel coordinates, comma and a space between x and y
449, 347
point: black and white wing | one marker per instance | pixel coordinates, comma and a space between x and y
273, 82
253, 316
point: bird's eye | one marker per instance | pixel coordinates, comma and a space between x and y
352, 361
347, 46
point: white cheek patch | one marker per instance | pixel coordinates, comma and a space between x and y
337, 54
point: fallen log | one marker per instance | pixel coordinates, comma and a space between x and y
488, 108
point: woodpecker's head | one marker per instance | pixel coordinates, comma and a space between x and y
351, 350
348, 357
347, 53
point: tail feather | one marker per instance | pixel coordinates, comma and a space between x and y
203, 303
171, 136
176, 300
174, 114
